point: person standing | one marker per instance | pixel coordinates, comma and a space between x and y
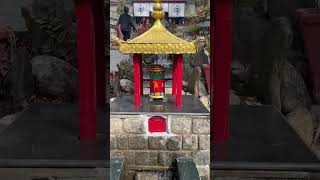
164, 21
126, 24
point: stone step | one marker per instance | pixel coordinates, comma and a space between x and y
150, 175
146, 176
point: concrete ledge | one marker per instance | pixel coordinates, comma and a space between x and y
54, 173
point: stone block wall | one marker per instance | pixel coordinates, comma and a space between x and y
186, 136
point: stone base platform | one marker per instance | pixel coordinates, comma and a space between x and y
187, 134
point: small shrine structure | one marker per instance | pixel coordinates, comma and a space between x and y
158, 40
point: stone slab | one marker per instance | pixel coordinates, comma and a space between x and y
261, 139
47, 135
190, 105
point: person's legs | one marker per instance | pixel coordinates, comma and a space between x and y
126, 35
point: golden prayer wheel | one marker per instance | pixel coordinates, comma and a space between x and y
157, 89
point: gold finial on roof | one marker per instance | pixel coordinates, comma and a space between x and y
157, 14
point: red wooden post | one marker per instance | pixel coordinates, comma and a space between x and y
98, 9
141, 74
178, 59
174, 77
137, 79
87, 69
221, 68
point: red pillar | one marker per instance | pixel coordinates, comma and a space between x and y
179, 60
174, 77
141, 74
87, 69
222, 45
98, 10
137, 79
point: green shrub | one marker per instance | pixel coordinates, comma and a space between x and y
207, 38
194, 28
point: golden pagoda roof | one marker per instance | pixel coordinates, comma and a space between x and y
157, 40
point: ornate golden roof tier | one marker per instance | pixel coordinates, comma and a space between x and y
157, 40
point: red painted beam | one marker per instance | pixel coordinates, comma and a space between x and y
222, 46
141, 74
87, 69
174, 78
137, 79
98, 12
179, 74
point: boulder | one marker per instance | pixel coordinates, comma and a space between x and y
239, 76
52, 28
239, 71
237, 67
303, 122
249, 27
126, 85
252, 101
315, 109
7, 120
275, 85
206, 101
234, 99
195, 85
294, 92
202, 89
187, 70
269, 54
300, 62
55, 78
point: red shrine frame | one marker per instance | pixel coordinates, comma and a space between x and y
177, 77
91, 65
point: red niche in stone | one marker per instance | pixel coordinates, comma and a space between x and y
157, 124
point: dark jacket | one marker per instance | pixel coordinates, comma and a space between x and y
126, 22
